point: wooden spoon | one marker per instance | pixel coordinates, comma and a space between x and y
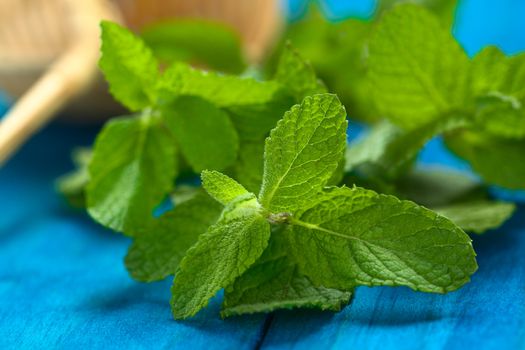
49, 51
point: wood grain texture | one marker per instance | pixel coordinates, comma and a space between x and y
488, 313
62, 279
63, 285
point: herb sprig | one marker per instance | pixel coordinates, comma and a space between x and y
337, 237
284, 219
184, 119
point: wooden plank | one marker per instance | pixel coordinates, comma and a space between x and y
488, 313
62, 282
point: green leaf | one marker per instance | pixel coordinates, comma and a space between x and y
435, 187
502, 115
73, 185
417, 70
248, 169
331, 46
197, 41
352, 237
497, 160
477, 216
297, 75
302, 153
387, 150
156, 254
444, 9
487, 70
221, 255
274, 282
132, 170
129, 67
205, 134
222, 188
254, 106
454, 195
497, 81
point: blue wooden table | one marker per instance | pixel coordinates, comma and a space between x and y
63, 284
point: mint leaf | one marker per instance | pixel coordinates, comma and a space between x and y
416, 68
133, 168
477, 216
444, 9
297, 75
221, 187
302, 152
350, 237
372, 147
435, 187
197, 41
274, 282
205, 134
387, 150
497, 81
221, 255
254, 106
156, 254
249, 166
222, 90
452, 194
502, 115
497, 160
337, 52
73, 184
129, 67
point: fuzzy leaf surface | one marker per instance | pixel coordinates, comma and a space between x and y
222, 254
157, 253
302, 152
132, 169
353, 237
129, 67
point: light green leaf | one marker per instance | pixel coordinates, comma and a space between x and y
497, 160
156, 254
488, 70
387, 150
444, 9
502, 115
337, 52
129, 67
477, 216
497, 81
297, 75
371, 149
222, 188
274, 282
220, 89
435, 187
73, 184
417, 70
249, 166
254, 106
132, 170
205, 134
221, 255
303, 152
197, 41
352, 237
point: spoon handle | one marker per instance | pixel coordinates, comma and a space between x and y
68, 76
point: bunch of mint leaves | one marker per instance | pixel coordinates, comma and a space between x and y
346, 42
302, 241
184, 121
298, 243
423, 83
